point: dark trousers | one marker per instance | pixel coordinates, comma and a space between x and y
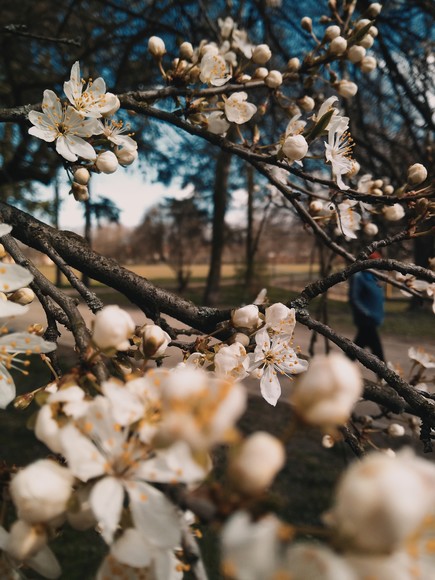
367, 335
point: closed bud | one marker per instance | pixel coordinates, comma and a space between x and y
116, 105
295, 147
378, 183
356, 53
256, 463
346, 89
371, 229
273, 79
294, 64
377, 191
186, 50
374, 9
154, 340
396, 430
393, 213
194, 74
112, 329
373, 31
241, 338
368, 64
417, 173
355, 169
80, 192
388, 189
306, 103
261, 73
261, 54
107, 162
307, 23
82, 176
315, 207
338, 45
246, 317
332, 32
125, 155
367, 41
23, 296
156, 46
362, 23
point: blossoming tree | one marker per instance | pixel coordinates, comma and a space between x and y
131, 439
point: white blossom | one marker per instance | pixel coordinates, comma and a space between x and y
261, 54
156, 46
89, 100
214, 70
295, 147
107, 162
238, 110
65, 126
422, 357
154, 340
114, 132
232, 361
348, 219
308, 560
393, 213
272, 356
246, 317
338, 45
217, 124
338, 149
25, 540
125, 155
273, 79
280, 319
417, 173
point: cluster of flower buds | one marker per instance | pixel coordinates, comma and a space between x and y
84, 130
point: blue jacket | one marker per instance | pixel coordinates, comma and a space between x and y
366, 297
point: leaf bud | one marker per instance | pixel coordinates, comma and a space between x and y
261, 54
156, 46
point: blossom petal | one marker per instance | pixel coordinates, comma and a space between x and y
63, 149
270, 386
25, 342
84, 459
154, 515
13, 276
52, 107
80, 147
7, 387
47, 135
106, 501
8, 309
132, 549
45, 563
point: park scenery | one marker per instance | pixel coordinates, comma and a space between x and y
217, 290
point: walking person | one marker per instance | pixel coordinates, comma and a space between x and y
366, 297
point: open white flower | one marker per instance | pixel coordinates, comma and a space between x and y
280, 319
113, 131
338, 149
90, 100
348, 219
65, 126
238, 110
272, 356
12, 345
232, 361
217, 124
214, 70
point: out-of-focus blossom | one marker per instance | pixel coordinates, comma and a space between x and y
112, 329
232, 361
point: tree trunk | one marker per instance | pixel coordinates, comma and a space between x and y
220, 195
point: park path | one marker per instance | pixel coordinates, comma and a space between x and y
395, 347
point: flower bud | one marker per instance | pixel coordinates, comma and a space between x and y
257, 462
23, 296
374, 9
377, 191
295, 147
355, 169
326, 393
328, 442
346, 88
388, 189
82, 176
261, 73
332, 32
273, 79
356, 53
338, 45
396, 430
261, 54
373, 31
368, 64
362, 23
307, 23
393, 213
186, 50
306, 103
154, 340
240, 337
315, 207
41, 491
371, 229
367, 41
156, 46
25, 540
417, 173
80, 192
246, 317
107, 162
125, 155
112, 329
294, 64
378, 183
